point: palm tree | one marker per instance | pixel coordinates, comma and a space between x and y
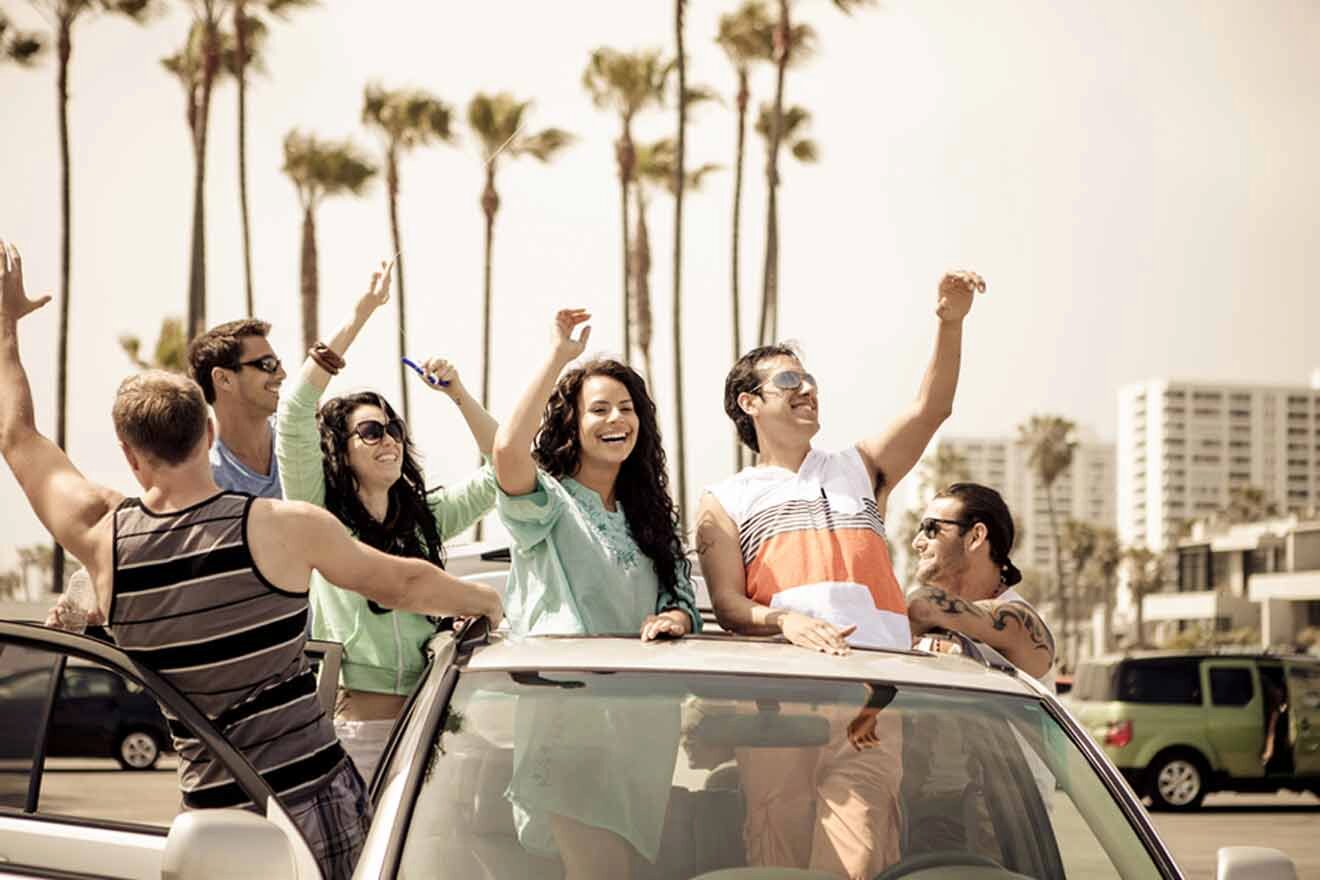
627, 83
791, 131
320, 169
1145, 570
676, 304
66, 14
21, 48
1080, 543
170, 353
249, 32
654, 171
784, 48
405, 118
205, 58
1108, 558
497, 121
1050, 444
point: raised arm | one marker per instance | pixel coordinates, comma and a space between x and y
378, 293
514, 467
443, 376
892, 453
1011, 628
726, 580
289, 539
71, 507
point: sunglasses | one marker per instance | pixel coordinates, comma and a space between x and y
370, 431
266, 363
791, 380
930, 526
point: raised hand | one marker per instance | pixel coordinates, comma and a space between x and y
955, 295
566, 347
378, 292
14, 301
441, 375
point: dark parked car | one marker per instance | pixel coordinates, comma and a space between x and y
96, 715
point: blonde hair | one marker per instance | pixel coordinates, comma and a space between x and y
160, 414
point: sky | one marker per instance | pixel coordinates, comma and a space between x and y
1136, 182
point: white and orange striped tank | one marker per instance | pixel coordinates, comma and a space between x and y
814, 542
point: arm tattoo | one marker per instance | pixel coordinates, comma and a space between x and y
1041, 640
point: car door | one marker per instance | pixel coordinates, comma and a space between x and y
1303, 680
1234, 715
61, 817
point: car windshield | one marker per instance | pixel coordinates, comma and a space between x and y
678, 774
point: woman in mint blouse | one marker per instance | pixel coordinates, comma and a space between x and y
354, 457
596, 550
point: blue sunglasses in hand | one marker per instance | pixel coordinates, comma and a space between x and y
430, 380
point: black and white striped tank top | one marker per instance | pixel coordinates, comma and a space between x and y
190, 604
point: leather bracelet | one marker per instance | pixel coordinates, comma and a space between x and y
326, 358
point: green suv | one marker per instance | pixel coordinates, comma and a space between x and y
1180, 725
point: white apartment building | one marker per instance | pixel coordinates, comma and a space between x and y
1182, 446
1085, 492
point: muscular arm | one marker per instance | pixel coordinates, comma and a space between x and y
289, 539
1011, 628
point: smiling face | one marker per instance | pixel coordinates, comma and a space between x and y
784, 414
249, 387
379, 464
607, 424
942, 559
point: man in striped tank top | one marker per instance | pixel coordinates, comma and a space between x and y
795, 546
209, 588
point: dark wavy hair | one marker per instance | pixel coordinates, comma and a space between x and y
981, 504
642, 486
409, 527
745, 375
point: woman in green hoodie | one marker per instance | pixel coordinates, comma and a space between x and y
354, 457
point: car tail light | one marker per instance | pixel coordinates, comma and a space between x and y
1118, 733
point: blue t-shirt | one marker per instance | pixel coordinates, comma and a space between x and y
233, 475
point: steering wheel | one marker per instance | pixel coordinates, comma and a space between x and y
943, 858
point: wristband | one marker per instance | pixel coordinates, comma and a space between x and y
326, 358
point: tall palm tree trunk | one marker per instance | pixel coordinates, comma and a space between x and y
310, 278
1062, 585
677, 305
240, 32
743, 95
201, 122
1109, 614
625, 154
66, 225
392, 186
490, 204
770, 282
641, 281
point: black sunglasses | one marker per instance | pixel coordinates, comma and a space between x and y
267, 363
371, 432
790, 380
930, 526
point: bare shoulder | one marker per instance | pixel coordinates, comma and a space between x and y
713, 520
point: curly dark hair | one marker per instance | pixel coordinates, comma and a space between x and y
745, 375
642, 486
409, 527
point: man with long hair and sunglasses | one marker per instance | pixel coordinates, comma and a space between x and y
240, 377
795, 546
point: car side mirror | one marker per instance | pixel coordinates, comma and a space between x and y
206, 844
1254, 863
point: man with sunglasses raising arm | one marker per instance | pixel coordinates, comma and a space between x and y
240, 377
209, 588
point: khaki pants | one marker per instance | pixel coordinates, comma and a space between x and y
829, 808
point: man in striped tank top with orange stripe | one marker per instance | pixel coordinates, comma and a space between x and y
795, 546
209, 588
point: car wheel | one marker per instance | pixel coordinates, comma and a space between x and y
137, 750
1177, 781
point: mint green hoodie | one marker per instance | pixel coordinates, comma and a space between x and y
382, 652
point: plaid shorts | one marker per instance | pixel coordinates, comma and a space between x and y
335, 821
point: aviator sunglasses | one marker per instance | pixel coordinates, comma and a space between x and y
266, 363
930, 526
791, 380
370, 431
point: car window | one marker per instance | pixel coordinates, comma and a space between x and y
703, 772
1094, 683
1160, 681
1230, 686
107, 759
